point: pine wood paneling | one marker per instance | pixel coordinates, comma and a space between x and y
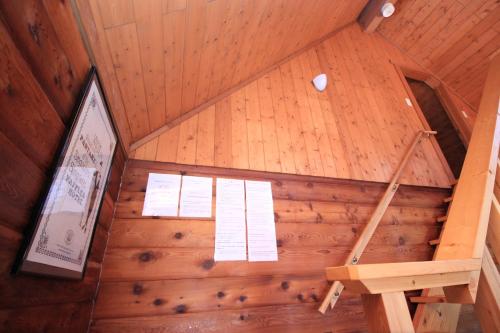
44, 65
160, 272
195, 50
452, 39
359, 128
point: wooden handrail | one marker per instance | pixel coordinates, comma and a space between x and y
356, 252
397, 277
460, 252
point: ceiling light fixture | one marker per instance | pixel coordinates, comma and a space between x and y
319, 82
387, 9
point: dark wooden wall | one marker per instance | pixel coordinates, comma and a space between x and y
159, 274
43, 66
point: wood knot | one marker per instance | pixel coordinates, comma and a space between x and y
158, 302
34, 32
285, 285
278, 183
57, 81
314, 297
319, 218
137, 289
181, 308
208, 264
354, 230
220, 294
178, 235
401, 240
300, 297
310, 185
242, 317
243, 298
279, 243
146, 256
9, 90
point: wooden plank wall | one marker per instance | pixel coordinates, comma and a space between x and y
359, 128
455, 40
162, 58
159, 275
43, 66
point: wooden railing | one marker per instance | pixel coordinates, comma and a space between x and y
459, 258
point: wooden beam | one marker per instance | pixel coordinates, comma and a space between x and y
464, 234
496, 188
436, 317
487, 306
428, 299
392, 277
469, 212
493, 237
371, 17
387, 313
353, 257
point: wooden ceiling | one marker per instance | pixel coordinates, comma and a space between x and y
454, 39
161, 58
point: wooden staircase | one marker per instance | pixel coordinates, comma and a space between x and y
463, 269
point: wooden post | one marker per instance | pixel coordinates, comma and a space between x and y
465, 231
371, 17
387, 312
353, 257
487, 307
425, 319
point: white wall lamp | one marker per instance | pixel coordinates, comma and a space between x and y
319, 82
387, 9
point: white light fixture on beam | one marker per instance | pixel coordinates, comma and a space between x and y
387, 9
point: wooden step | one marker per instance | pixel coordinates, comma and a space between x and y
434, 242
442, 219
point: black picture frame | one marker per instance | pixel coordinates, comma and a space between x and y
26, 264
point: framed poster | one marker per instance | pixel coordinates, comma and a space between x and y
64, 225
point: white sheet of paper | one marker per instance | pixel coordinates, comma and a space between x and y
260, 222
162, 195
230, 229
196, 197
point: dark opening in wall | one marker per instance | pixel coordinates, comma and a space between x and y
447, 136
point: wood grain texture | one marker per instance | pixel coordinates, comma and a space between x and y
44, 66
60, 71
317, 221
455, 40
359, 128
193, 51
